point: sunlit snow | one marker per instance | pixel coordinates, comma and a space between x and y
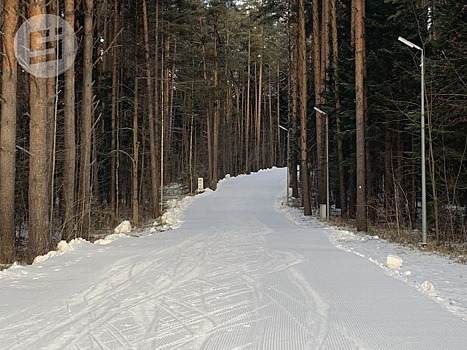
235, 269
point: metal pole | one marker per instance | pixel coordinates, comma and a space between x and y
423, 150
422, 134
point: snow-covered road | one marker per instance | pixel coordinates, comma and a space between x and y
237, 275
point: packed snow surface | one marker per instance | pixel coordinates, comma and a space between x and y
241, 272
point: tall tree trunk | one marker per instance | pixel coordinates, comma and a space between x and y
279, 160
86, 116
134, 175
152, 133
165, 107
8, 134
69, 228
38, 237
293, 92
52, 121
258, 113
337, 98
352, 193
228, 128
272, 157
432, 169
325, 50
319, 47
215, 121
171, 70
388, 173
158, 125
370, 192
360, 113
302, 73
114, 111
247, 108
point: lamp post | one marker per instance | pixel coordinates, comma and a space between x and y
288, 160
327, 161
422, 133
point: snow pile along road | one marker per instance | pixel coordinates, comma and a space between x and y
238, 274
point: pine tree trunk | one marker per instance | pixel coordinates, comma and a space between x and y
215, 121
432, 169
302, 73
360, 114
388, 174
152, 133
69, 168
51, 120
165, 87
158, 112
247, 108
38, 238
293, 92
352, 194
325, 50
8, 134
272, 157
86, 116
258, 108
114, 112
319, 49
280, 160
171, 54
337, 97
134, 175
369, 175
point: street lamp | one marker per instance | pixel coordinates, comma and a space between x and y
422, 134
327, 161
288, 160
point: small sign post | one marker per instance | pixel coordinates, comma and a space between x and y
200, 185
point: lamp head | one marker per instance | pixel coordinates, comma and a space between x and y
409, 43
319, 110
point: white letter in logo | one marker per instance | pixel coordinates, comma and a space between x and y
45, 46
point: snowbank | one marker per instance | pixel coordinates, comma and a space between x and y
123, 227
62, 247
110, 238
173, 217
393, 262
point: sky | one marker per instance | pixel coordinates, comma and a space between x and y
235, 268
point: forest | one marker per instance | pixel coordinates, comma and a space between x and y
163, 92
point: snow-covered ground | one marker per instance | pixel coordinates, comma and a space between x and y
440, 278
238, 270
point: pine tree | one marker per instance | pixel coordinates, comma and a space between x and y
8, 134
39, 235
360, 113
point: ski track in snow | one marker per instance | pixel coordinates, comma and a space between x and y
180, 298
238, 275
